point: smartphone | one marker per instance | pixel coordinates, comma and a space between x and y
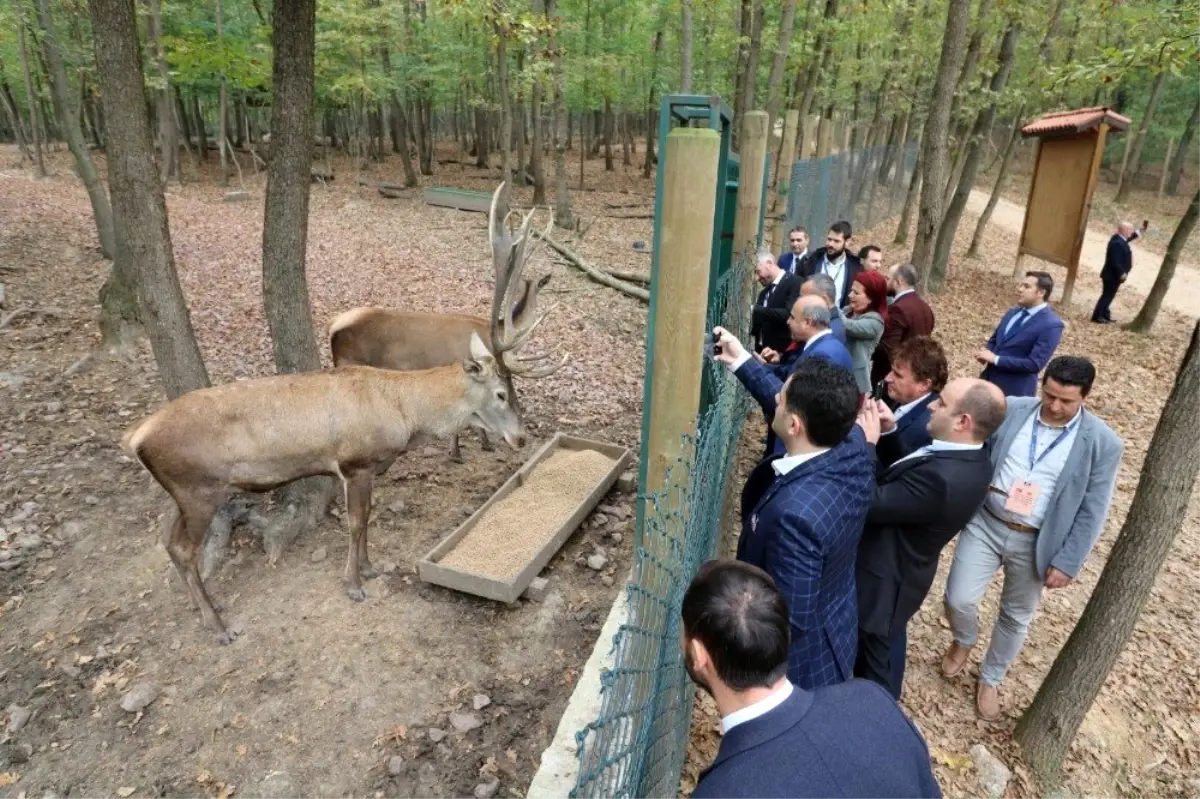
716, 347
1145, 224
879, 391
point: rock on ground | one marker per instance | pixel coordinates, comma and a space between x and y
465, 722
139, 697
993, 774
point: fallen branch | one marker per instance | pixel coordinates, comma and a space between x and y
383, 184
597, 275
28, 311
632, 277
395, 194
638, 204
628, 216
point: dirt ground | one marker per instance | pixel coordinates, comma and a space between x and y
318, 695
1142, 736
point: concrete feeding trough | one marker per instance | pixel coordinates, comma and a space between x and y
461, 199
498, 551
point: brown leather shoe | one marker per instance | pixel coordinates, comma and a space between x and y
955, 660
987, 702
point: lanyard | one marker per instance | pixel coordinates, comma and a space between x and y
1034, 458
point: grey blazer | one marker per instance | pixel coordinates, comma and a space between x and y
1079, 506
862, 337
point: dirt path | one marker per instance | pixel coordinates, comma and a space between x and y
1184, 295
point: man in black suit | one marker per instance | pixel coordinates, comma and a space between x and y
778, 740
920, 504
1118, 261
833, 260
768, 319
918, 373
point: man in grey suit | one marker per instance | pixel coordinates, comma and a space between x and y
1054, 469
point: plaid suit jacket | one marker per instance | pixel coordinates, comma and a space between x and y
803, 529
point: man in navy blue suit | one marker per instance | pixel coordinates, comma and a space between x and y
797, 249
779, 740
809, 326
1118, 261
919, 372
1025, 340
803, 514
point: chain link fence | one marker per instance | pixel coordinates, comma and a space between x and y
863, 187
637, 744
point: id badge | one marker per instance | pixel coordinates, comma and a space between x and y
1022, 497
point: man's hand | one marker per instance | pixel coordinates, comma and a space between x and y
887, 419
769, 355
868, 420
985, 356
1057, 579
730, 349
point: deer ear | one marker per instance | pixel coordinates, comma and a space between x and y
479, 350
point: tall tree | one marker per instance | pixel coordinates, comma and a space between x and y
1125, 181
1001, 176
139, 209
14, 116
1145, 318
787, 21
1184, 151
167, 133
685, 46
500, 25
974, 154
35, 123
223, 101
935, 150
1168, 477
562, 198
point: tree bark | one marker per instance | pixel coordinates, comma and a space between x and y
139, 209
14, 116
223, 101
1005, 162
750, 84
35, 126
1125, 182
399, 124
537, 161
685, 46
779, 63
974, 154
500, 26
609, 131
69, 124
929, 217
651, 111
1181, 154
1145, 318
910, 196
167, 135
1155, 519
562, 199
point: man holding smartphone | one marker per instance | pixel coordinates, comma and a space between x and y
1118, 262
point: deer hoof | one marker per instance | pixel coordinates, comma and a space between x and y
226, 637
368, 572
488, 446
356, 594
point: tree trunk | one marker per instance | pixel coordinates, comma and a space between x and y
562, 199
1005, 162
974, 154
399, 124
14, 116
69, 124
745, 22
779, 64
685, 46
35, 127
1145, 318
910, 196
609, 130
500, 27
750, 84
201, 130
1125, 182
167, 135
1155, 519
626, 141
139, 210
808, 76
1181, 154
222, 113
651, 110
537, 161
481, 139
969, 65
519, 122
934, 168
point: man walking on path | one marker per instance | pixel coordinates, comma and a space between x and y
909, 316
1025, 339
1118, 261
1054, 469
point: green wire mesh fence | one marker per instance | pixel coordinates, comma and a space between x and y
637, 744
864, 187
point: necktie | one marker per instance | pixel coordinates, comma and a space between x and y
1020, 320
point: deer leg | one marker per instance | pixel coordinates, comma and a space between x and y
455, 452
487, 445
358, 510
185, 547
173, 531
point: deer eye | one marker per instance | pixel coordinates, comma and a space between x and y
502, 396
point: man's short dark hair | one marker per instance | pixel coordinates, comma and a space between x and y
907, 273
927, 360
798, 229
986, 409
736, 611
841, 227
825, 397
1045, 283
1071, 370
865, 252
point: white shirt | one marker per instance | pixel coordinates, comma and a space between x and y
836, 270
767, 294
759, 708
937, 445
1045, 475
788, 462
903, 409
902, 293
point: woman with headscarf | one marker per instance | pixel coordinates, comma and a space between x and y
865, 321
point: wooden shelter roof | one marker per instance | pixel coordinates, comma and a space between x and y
1059, 123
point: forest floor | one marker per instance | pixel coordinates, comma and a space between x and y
319, 695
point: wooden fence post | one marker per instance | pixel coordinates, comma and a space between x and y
678, 308
753, 152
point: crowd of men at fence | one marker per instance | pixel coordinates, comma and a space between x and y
875, 460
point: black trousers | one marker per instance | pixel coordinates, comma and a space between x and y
1103, 312
881, 658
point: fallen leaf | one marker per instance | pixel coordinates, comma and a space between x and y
8, 778
125, 792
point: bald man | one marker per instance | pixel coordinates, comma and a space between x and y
920, 504
1118, 261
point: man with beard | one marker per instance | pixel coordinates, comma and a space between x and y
921, 502
833, 260
779, 740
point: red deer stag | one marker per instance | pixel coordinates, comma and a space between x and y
351, 422
407, 340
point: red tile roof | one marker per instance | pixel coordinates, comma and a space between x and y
1076, 121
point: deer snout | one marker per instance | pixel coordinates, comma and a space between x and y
515, 440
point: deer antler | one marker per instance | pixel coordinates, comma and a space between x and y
509, 254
